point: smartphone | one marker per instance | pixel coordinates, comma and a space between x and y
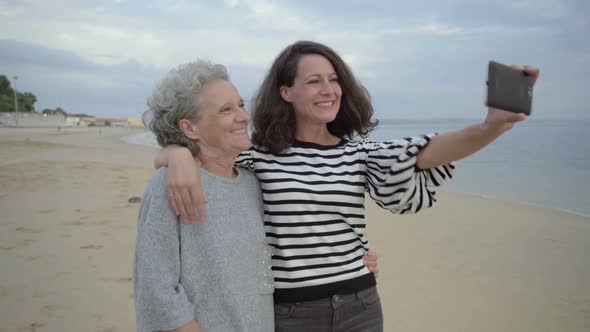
509, 89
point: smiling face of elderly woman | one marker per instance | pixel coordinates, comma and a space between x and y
221, 127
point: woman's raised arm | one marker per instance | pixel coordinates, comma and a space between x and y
455, 145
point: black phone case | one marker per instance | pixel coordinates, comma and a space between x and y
509, 89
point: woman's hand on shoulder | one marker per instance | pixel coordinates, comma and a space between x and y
184, 186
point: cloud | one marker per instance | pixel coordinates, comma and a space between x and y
61, 78
113, 52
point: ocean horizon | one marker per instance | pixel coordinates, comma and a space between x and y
541, 162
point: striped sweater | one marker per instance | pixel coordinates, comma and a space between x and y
314, 207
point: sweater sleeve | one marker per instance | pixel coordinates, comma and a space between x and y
246, 159
160, 300
395, 182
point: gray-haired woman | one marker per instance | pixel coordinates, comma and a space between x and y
214, 276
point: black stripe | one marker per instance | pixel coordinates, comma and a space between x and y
297, 224
312, 202
432, 177
315, 192
320, 276
440, 172
378, 167
447, 170
313, 182
385, 184
331, 254
420, 197
302, 163
317, 244
311, 155
310, 235
316, 266
386, 181
305, 213
311, 224
324, 174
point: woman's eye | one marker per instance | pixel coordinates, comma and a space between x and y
313, 82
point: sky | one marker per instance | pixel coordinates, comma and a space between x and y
418, 59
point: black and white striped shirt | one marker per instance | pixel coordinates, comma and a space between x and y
314, 207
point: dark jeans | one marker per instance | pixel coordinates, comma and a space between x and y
359, 311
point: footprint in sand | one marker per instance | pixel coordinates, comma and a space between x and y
74, 223
121, 280
20, 243
56, 310
28, 230
39, 294
31, 328
92, 246
62, 274
108, 329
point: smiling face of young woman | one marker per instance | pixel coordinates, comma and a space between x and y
315, 93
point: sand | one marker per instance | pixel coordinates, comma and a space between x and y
67, 234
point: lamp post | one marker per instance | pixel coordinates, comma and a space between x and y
15, 78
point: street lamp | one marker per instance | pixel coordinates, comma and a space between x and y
15, 78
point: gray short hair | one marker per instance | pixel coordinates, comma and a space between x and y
176, 97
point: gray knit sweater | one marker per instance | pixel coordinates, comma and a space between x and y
217, 272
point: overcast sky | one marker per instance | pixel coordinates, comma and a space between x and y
419, 59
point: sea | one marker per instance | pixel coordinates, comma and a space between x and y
542, 162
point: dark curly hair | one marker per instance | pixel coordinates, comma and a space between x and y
274, 118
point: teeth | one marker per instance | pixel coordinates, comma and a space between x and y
238, 131
328, 103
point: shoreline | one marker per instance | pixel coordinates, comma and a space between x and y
132, 139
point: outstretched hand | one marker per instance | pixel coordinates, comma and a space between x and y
503, 120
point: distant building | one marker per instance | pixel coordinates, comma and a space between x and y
20, 119
11, 119
135, 123
72, 121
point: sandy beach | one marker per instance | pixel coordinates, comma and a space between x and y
67, 235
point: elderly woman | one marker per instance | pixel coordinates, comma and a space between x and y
310, 117
214, 276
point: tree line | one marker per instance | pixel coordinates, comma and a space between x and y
25, 100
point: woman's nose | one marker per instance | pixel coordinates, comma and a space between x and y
326, 88
243, 115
